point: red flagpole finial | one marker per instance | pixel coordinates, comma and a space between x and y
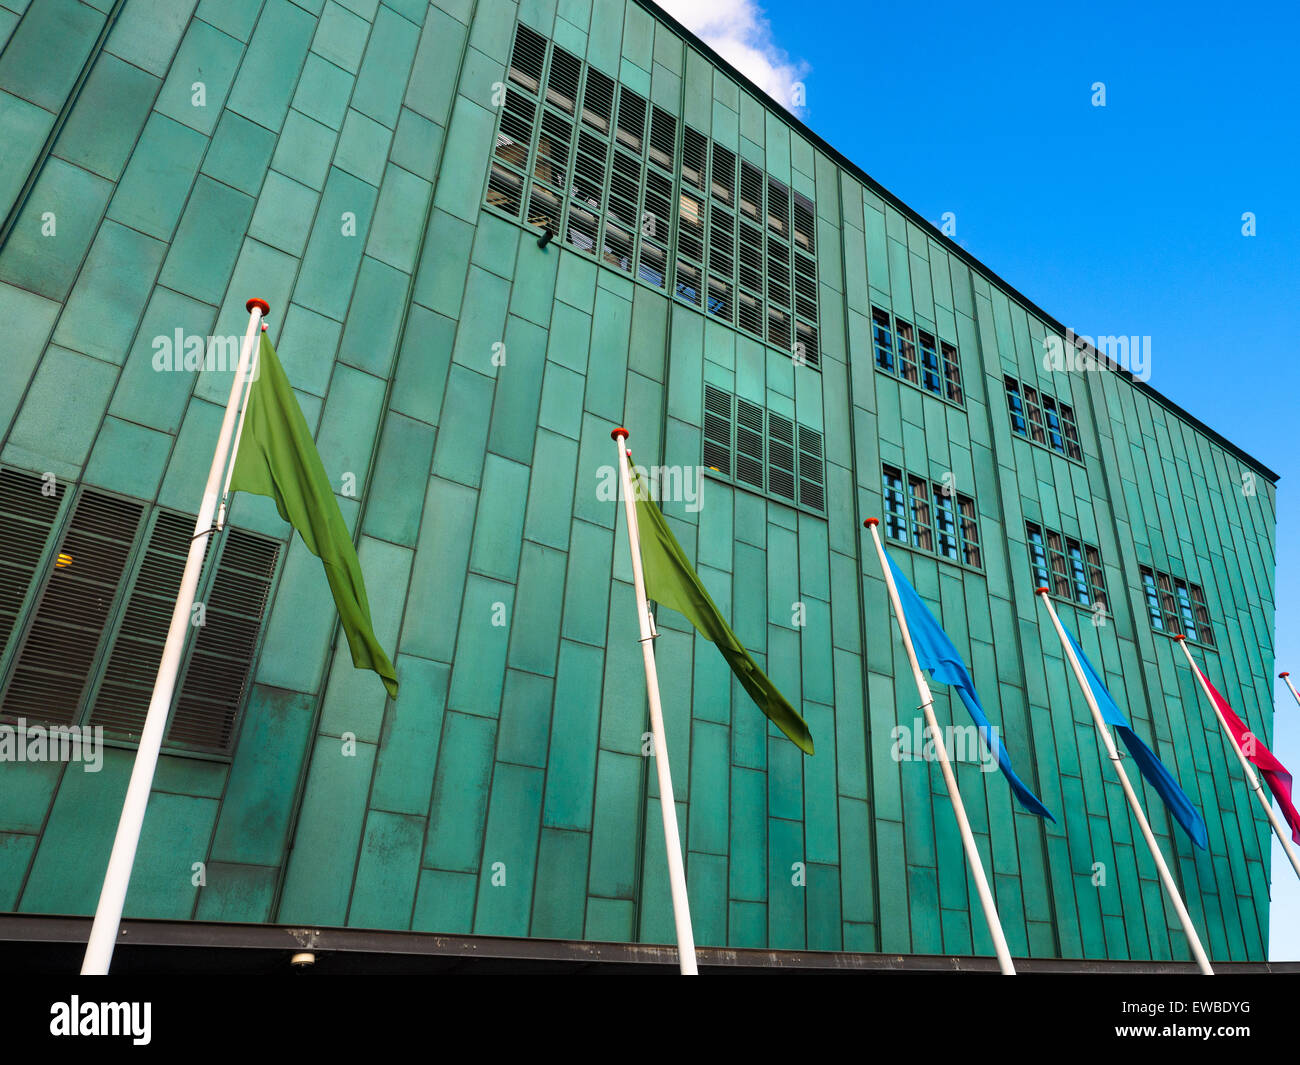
620, 431
869, 522
1042, 591
262, 304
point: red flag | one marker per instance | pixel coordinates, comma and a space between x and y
1275, 773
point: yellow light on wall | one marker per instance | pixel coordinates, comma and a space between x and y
63, 561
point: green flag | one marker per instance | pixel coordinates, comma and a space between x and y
278, 458
670, 581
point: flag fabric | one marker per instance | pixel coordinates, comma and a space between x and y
1152, 768
1274, 772
671, 582
936, 654
278, 458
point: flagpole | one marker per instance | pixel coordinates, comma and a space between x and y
672, 841
950, 780
239, 433
1203, 962
112, 897
1287, 677
1265, 800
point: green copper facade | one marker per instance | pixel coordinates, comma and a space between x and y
164, 160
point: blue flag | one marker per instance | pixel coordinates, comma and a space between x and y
1152, 768
937, 655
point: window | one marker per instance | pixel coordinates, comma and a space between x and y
758, 448
1035, 415
1060, 570
1043, 419
1016, 406
969, 530
951, 372
929, 362
883, 339
1176, 606
906, 351
945, 522
1037, 554
930, 517
1069, 568
915, 355
895, 508
918, 492
1071, 428
615, 177
99, 597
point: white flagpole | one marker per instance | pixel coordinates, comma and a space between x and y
1166, 878
239, 431
112, 897
1265, 800
1287, 677
950, 780
676, 871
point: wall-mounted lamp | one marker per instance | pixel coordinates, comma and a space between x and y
547, 235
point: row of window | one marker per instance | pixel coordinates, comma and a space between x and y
1042, 419
1176, 606
1069, 567
931, 517
624, 181
87, 591
760, 449
915, 356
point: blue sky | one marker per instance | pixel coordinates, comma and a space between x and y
1117, 220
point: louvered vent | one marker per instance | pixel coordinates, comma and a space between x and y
589, 170
805, 224
631, 120
81, 585
598, 101
613, 176
695, 152
778, 208
812, 469
717, 430
806, 344
723, 185
123, 696
219, 666
780, 456
27, 514
749, 443
663, 139
527, 59
562, 82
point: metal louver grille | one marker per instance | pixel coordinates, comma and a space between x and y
770, 452
663, 139
26, 516
82, 584
527, 58
598, 101
749, 443
717, 430
213, 687
631, 120
562, 82
780, 456
619, 178
123, 696
812, 471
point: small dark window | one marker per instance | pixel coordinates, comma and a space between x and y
883, 338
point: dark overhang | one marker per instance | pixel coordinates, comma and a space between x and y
934, 233
37, 944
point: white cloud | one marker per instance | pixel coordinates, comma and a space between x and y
739, 32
